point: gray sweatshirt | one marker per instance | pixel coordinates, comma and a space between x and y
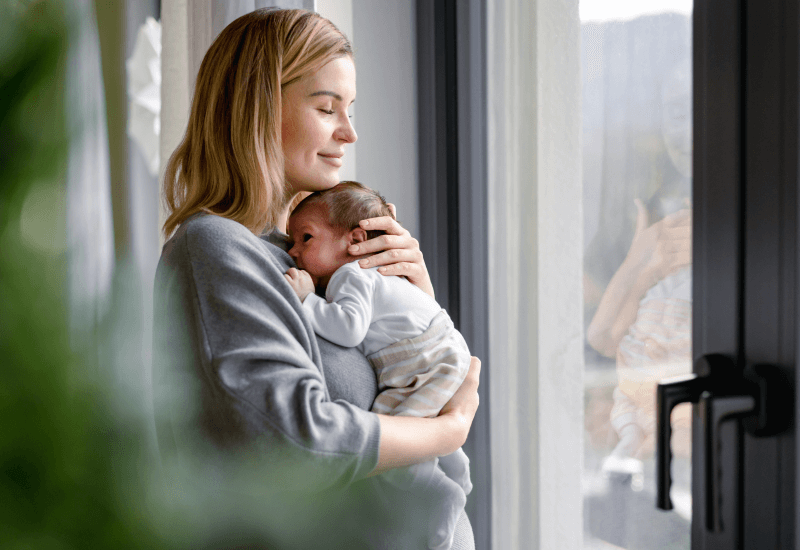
246, 391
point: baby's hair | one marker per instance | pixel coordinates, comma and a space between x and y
348, 203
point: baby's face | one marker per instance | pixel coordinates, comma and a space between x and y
318, 247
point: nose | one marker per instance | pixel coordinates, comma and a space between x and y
346, 132
293, 253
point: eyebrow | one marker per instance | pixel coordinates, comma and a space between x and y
328, 93
302, 228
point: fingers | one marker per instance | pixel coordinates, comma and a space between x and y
384, 223
681, 260
465, 400
400, 269
474, 374
642, 217
680, 218
471, 383
384, 242
677, 231
394, 256
298, 276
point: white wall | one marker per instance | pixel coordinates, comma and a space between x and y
340, 13
384, 37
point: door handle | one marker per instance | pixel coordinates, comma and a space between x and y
714, 410
672, 392
759, 397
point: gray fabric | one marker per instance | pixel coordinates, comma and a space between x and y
463, 538
240, 373
231, 339
348, 375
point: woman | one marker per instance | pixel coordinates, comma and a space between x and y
239, 368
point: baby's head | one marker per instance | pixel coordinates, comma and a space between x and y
325, 224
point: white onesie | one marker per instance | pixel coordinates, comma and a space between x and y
420, 359
369, 311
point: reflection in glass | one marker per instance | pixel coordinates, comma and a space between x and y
637, 150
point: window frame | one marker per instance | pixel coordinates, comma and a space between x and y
451, 73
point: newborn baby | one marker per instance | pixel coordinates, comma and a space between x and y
419, 357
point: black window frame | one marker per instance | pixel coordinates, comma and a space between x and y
451, 79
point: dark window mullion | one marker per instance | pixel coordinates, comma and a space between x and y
451, 72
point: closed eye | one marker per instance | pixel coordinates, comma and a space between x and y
327, 112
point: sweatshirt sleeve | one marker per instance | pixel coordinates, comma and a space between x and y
253, 360
345, 316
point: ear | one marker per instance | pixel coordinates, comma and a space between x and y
358, 235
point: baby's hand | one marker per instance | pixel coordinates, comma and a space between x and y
300, 281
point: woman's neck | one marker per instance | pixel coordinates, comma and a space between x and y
291, 203
283, 220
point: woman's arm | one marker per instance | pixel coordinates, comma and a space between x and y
407, 440
617, 309
656, 251
399, 252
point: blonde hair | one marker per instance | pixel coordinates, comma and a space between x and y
348, 203
230, 161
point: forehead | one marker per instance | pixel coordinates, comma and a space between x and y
314, 214
338, 77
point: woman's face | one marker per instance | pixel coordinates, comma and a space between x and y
316, 125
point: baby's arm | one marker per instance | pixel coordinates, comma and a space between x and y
345, 317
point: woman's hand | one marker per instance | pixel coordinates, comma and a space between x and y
464, 403
407, 440
661, 248
400, 252
656, 251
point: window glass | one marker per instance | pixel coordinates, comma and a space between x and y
637, 150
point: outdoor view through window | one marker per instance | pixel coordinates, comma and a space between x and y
637, 174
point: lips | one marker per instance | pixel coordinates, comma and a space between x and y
334, 159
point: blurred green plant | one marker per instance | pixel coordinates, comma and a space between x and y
75, 467
60, 483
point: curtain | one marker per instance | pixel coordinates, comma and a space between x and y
535, 250
90, 234
225, 11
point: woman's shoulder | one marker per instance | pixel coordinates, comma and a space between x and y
206, 236
213, 231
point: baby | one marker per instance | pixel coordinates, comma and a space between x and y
419, 357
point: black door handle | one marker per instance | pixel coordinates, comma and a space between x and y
672, 392
759, 397
714, 410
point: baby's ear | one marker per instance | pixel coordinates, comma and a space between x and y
358, 235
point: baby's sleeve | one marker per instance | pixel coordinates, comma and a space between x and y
346, 313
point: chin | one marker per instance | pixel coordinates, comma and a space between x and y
323, 182
313, 182
331, 179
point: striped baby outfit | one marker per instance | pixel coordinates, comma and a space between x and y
417, 376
